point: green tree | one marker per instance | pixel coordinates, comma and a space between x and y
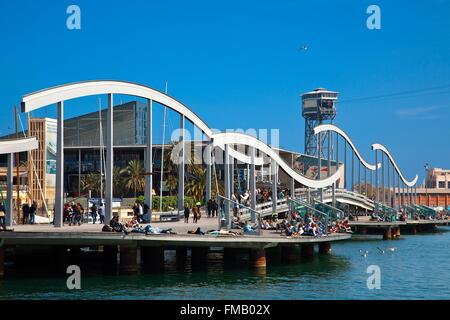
134, 178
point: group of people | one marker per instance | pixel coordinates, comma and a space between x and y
297, 226
141, 211
212, 208
73, 213
196, 212
29, 212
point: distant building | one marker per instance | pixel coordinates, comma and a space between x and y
436, 192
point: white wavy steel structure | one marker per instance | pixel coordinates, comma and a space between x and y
330, 127
75, 90
18, 145
66, 92
244, 139
377, 146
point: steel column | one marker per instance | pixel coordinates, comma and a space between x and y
226, 179
382, 179
252, 184
109, 160
208, 170
181, 166
9, 192
274, 186
59, 191
377, 198
149, 159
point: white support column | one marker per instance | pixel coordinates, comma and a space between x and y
226, 178
181, 167
274, 186
232, 167
109, 160
9, 191
252, 184
59, 190
208, 170
149, 159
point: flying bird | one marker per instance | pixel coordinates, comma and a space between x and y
303, 47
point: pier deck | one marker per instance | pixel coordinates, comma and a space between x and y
88, 234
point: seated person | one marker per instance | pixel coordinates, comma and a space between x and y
248, 228
117, 226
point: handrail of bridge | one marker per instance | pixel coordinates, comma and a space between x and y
427, 211
240, 206
387, 212
293, 202
339, 213
353, 195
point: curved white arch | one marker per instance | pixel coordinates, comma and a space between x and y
330, 127
18, 145
377, 146
241, 138
70, 91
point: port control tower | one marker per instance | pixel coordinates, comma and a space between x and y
318, 106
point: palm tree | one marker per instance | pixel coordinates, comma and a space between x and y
196, 186
91, 182
118, 178
135, 176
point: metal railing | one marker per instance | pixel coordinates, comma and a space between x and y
336, 213
241, 209
304, 208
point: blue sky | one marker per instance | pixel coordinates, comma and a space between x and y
237, 64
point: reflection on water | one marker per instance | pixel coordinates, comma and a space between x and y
416, 268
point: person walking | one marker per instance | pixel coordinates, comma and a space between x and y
101, 213
187, 212
209, 208
26, 212
195, 213
32, 212
215, 208
94, 211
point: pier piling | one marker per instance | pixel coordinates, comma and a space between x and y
387, 234
2, 262
258, 258
325, 247
152, 258
129, 259
307, 250
289, 254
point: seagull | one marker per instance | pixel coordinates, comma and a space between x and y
392, 249
304, 47
381, 250
364, 253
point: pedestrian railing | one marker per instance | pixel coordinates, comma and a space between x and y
333, 212
228, 207
305, 209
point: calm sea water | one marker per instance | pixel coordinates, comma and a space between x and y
417, 269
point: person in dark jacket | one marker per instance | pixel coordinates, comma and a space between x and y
26, 212
187, 212
32, 212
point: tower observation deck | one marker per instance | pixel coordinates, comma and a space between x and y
318, 106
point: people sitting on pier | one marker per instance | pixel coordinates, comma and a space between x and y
133, 223
345, 227
117, 226
248, 228
375, 217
